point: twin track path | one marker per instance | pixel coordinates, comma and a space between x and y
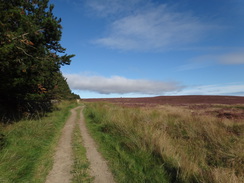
63, 161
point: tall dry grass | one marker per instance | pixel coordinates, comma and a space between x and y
193, 148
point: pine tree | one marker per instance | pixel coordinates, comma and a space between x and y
30, 54
62, 90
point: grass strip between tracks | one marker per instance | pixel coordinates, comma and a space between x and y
81, 164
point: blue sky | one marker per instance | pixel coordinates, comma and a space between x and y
137, 48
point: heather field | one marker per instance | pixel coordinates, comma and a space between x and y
151, 142
173, 100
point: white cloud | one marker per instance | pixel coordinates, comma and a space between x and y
119, 85
218, 89
106, 8
232, 58
203, 61
151, 27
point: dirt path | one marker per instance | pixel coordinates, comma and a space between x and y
98, 165
62, 166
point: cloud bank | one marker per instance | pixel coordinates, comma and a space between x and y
120, 85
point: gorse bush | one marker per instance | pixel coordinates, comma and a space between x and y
190, 147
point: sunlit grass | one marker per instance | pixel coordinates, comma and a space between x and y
30, 144
190, 147
81, 164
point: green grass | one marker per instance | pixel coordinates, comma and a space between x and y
128, 161
167, 144
81, 165
237, 106
29, 146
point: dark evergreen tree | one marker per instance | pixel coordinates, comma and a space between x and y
30, 54
62, 90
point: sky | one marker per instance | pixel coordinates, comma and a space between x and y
142, 48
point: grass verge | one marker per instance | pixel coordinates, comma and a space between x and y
81, 164
167, 144
128, 161
27, 154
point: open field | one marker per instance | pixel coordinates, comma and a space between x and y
220, 106
174, 100
196, 140
144, 140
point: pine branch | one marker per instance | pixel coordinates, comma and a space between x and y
22, 35
24, 51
